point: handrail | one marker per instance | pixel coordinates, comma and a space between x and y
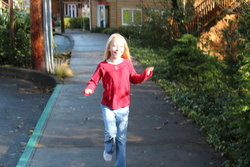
4, 4
207, 11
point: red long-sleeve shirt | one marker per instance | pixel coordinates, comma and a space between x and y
116, 81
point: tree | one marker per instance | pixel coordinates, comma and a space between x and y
62, 16
11, 22
37, 36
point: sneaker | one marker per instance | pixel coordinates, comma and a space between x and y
106, 156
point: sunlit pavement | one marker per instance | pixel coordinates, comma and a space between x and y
70, 132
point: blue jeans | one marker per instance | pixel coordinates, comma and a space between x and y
115, 124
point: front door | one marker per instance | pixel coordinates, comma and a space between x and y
102, 16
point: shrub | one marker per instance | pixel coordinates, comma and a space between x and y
162, 26
110, 31
97, 30
240, 82
18, 54
198, 85
130, 32
86, 23
76, 22
187, 64
62, 68
67, 22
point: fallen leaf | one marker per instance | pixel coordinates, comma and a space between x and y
157, 128
30, 132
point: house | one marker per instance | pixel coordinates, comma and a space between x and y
102, 13
115, 13
71, 8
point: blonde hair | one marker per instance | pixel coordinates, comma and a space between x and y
126, 53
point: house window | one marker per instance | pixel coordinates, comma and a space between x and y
85, 11
70, 10
131, 16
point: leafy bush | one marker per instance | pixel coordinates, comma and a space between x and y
86, 23
67, 22
162, 26
187, 64
79, 22
17, 53
76, 22
130, 32
150, 57
198, 84
240, 82
97, 30
110, 31
215, 93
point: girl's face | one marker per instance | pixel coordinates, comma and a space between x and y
116, 48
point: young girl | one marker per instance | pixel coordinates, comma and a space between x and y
116, 72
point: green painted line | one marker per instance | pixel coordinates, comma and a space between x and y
25, 157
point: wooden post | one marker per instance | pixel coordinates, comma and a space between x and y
62, 16
37, 38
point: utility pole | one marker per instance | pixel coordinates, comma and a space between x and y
62, 16
11, 22
48, 36
37, 36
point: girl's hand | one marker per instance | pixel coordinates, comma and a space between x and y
149, 70
88, 92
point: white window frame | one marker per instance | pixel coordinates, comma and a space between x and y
132, 15
133, 21
70, 10
99, 15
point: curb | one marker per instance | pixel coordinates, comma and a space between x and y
30, 147
43, 80
69, 37
72, 42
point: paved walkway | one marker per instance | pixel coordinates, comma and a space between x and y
70, 131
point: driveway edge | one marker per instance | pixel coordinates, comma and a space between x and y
43, 80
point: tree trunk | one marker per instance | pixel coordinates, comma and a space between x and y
11, 22
37, 38
62, 16
175, 4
